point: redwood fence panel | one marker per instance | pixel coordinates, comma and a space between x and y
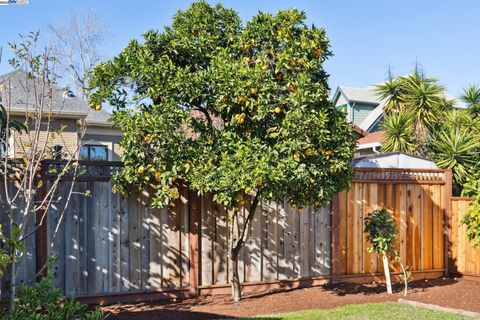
416, 198
465, 258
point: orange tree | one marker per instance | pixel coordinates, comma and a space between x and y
241, 112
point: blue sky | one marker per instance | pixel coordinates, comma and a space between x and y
366, 36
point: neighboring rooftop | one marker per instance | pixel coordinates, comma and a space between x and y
367, 95
374, 137
393, 160
19, 88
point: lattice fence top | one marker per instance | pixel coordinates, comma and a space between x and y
84, 170
395, 175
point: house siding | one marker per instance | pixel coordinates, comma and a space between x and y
360, 112
67, 137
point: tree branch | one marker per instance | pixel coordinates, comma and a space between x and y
248, 223
204, 111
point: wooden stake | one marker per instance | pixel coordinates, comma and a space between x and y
387, 274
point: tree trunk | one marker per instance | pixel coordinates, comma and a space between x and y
238, 236
12, 290
405, 280
236, 287
387, 274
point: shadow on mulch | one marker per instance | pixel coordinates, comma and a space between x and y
285, 300
168, 314
345, 288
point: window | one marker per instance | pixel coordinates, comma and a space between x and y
94, 153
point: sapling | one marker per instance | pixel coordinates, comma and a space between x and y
381, 232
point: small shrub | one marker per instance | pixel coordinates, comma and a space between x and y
381, 231
45, 302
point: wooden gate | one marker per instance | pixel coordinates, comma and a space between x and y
417, 198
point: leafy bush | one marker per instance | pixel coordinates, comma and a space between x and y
4, 256
472, 222
381, 232
44, 301
471, 219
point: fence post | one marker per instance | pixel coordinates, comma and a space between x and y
42, 231
448, 221
194, 221
335, 230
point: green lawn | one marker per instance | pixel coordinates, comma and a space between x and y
380, 311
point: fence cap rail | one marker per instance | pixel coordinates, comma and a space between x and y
462, 198
397, 175
401, 170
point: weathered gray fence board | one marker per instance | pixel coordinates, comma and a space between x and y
26, 266
284, 244
109, 243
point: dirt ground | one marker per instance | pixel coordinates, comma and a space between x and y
460, 294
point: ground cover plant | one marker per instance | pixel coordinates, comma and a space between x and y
44, 301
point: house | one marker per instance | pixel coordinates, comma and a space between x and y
364, 110
100, 140
362, 106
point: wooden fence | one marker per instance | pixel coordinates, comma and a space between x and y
113, 248
417, 199
109, 245
464, 257
283, 244
26, 266
112, 244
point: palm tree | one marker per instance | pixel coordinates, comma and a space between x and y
391, 91
471, 96
457, 149
424, 101
419, 99
399, 133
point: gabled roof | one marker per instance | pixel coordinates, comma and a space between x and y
21, 93
367, 95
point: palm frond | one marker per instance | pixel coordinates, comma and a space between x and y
391, 91
471, 96
456, 149
399, 133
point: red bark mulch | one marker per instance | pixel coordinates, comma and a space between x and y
453, 293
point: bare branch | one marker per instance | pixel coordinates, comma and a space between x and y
76, 46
